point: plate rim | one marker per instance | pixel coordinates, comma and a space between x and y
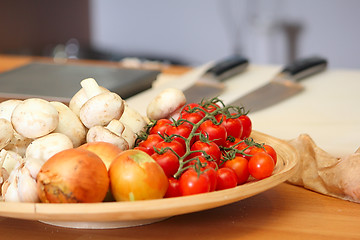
158, 208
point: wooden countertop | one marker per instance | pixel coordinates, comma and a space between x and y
283, 212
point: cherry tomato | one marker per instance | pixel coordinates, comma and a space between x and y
211, 172
144, 149
261, 165
216, 133
192, 183
230, 142
226, 178
202, 160
193, 108
150, 142
173, 189
168, 161
233, 126
211, 107
210, 148
160, 126
208, 169
240, 167
268, 149
174, 145
193, 117
247, 126
183, 130
242, 146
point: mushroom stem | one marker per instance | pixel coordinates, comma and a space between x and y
91, 87
116, 127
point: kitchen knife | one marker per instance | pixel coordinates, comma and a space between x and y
284, 85
210, 84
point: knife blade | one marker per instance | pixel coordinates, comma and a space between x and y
210, 84
284, 85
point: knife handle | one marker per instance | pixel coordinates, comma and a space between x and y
228, 67
305, 67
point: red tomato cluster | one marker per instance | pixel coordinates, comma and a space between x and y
206, 149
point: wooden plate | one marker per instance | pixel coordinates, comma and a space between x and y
125, 214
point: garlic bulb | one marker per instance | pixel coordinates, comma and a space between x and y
20, 186
27, 188
18, 144
18, 177
10, 160
4, 174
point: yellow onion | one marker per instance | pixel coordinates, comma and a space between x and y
134, 175
106, 151
73, 176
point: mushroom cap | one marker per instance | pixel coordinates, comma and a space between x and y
102, 134
79, 99
101, 109
34, 117
7, 107
45, 147
6, 132
165, 103
70, 124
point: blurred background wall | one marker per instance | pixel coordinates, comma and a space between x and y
184, 32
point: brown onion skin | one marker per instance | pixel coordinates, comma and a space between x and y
73, 176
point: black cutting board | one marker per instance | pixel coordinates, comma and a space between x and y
61, 81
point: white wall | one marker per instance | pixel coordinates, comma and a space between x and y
199, 31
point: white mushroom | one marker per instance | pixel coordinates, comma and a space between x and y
7, 107
166, 103
45, 147
78, 100
118, 127
101, 109
97, 107
6, 132
34, 117
18, 143
112, 133
129, 136
133, 119
70, 124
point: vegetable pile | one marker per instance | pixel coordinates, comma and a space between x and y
206, 148
98, 148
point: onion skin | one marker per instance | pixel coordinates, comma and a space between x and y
106, 151
73, 176
134, 175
